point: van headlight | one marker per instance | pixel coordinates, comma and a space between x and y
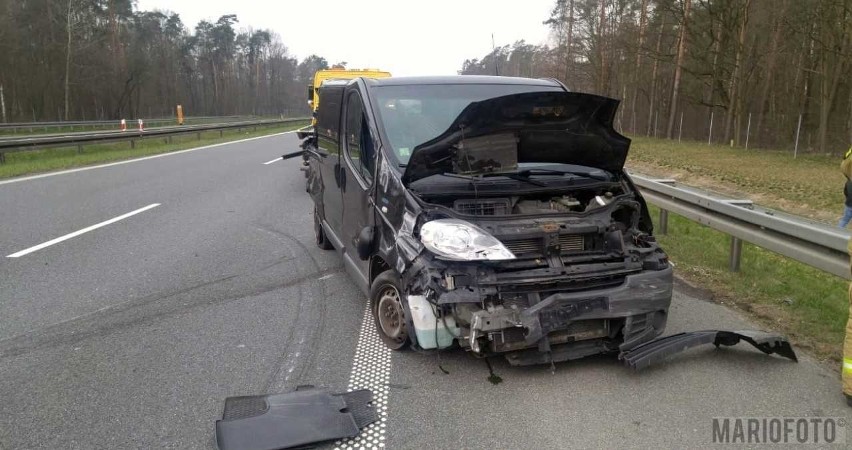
458, 240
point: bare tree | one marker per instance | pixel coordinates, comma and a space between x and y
681, 53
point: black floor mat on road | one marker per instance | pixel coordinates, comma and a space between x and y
295, 419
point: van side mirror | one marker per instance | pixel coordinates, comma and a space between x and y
364, 246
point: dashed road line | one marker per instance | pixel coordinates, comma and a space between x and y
79, 232
370, 370
273, 161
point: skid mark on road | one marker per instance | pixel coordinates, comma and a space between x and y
370, 370
144, 310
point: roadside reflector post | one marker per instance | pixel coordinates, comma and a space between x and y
179, 115
736, 254
141, 125
123, 125
710, 136
748, 129
798, 129
664, 222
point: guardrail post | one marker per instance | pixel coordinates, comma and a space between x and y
220, 133
736, 254
79, 148
198, 135
2, 158
664, 221
132, 143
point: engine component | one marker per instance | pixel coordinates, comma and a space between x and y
483, 207
600, 201
431, 331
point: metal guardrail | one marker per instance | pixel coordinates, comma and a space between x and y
8, 145
32, 126
815, 244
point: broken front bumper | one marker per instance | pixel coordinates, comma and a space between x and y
654, 352
545, 327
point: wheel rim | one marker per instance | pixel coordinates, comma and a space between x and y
390, 314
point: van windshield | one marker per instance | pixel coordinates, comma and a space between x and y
414, 114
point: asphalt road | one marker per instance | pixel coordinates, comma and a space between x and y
131, 335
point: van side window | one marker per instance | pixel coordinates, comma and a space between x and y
359, 146
328, 119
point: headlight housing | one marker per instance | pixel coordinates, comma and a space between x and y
458, 240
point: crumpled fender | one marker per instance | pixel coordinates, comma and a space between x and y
656, 351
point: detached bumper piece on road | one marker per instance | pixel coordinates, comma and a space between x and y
302, 417
660, 349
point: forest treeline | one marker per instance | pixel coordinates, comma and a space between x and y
101, 59
752, 68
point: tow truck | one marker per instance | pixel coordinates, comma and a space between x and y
335, 73
307, 134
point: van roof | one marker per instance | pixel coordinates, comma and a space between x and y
461, 79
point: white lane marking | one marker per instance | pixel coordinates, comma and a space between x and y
274, 160
370, 370
79, 232
144, 158
325, 277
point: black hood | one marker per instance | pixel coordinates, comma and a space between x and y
554, 127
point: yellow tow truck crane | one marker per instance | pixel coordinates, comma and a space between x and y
335, 73
308, 134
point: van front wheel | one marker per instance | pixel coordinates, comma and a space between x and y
388, 311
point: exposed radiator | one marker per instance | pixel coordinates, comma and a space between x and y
569, 243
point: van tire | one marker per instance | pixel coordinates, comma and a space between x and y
388, 311
321, 239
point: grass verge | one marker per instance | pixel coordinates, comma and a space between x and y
810, 185
37, 161
808, 305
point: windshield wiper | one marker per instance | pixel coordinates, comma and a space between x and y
528, 172
523, 177
479, 177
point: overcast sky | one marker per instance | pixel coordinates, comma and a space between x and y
425, 37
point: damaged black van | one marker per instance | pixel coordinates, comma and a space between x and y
491, 212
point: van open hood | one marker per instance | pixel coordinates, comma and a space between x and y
495, 134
